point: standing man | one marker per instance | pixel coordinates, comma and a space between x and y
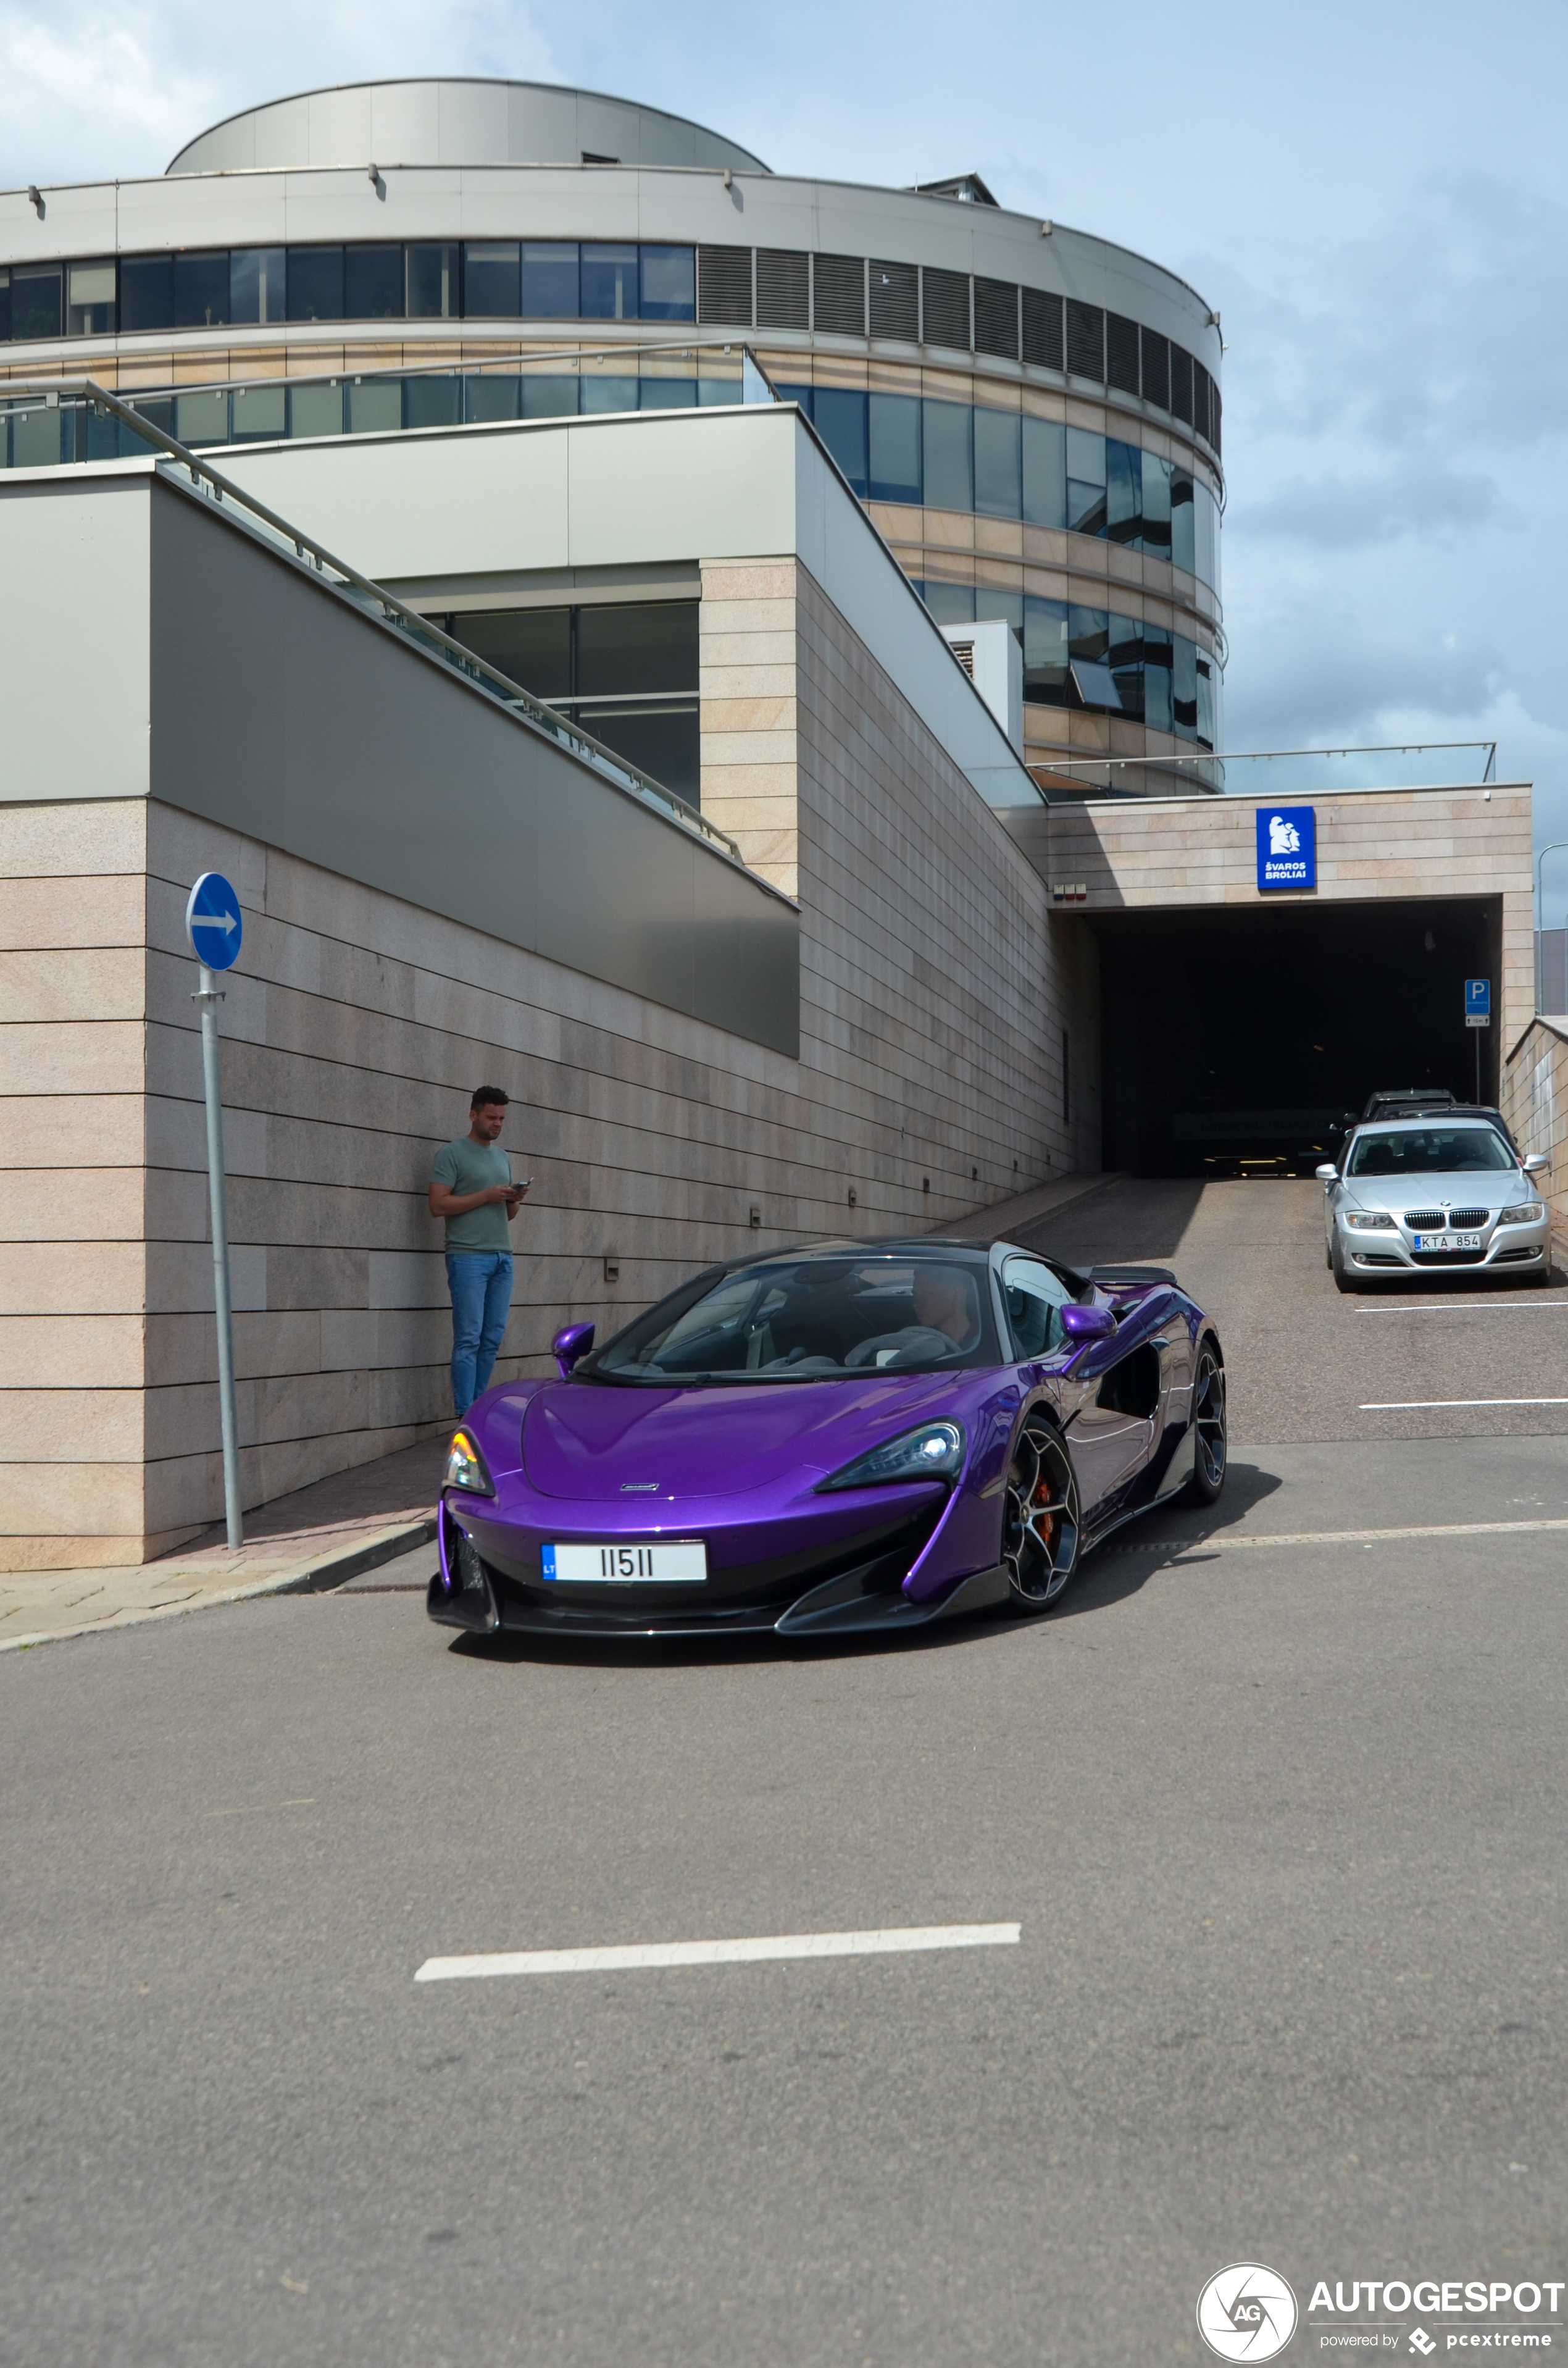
471, 1188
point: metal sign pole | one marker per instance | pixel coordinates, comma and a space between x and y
209, 994
215, 927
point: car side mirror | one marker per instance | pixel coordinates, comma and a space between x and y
1536, 1165
571, 1344
1083, 1326
1326, 1175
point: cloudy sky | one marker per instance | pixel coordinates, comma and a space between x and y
1376, 196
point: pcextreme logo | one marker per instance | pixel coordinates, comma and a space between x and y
1247, 2312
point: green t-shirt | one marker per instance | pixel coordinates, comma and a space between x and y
468, 1167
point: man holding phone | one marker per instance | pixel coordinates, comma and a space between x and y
472, 1189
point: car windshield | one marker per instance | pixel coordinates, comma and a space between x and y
809, 1319
1430, 1151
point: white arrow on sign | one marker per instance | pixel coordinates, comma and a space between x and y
224, 921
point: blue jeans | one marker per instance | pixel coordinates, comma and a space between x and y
481, 1285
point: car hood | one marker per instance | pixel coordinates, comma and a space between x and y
1491, 1189
597, 1444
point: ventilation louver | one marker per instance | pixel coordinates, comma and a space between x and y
723, 284
783, 288
838, 294
1043, 330
1156, 370
944, 306
1121, 354
1181, 383
1085, 340
997, 318
895, 301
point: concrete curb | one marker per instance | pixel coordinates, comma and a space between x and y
317, 1577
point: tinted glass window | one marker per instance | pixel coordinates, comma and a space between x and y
1430, 1151
550, 279
1183, 551
1156, 506
1003, 608
89, 299
201, 290
948, 463
5, 303
257, 275
1184, 686
372, 284
316, 283
1124, 506
491, 279
532, 646
1125, 658
609, 282
950, 603
998, 491
668, 283
36, 292
430, 283
652, 646
1157, 713
1089, 634
1045, 471
661, 737
1035, 1298
1045, 651
147, 291
800, 1320
841, 424
895, 442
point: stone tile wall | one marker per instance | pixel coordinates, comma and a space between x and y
935, 985
1534, 1102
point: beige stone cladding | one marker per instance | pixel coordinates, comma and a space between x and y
1534, 1102
936, 989
1371, 844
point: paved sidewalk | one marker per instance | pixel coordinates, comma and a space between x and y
319, 1537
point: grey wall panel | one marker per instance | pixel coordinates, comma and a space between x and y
74, 598
279, 709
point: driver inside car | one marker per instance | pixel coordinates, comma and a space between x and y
947, 1321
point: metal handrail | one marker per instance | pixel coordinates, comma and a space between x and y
535, 711
1236, 755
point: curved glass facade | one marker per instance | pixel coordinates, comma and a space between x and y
959, 456
1094, 658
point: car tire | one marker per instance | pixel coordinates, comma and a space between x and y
1327, 1253
1341, 1273
1210, 1441
1041, 1529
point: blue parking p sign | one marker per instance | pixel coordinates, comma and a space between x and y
1287, 847
1478, 1002
212, 921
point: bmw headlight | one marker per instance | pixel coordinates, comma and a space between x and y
1368, 1219
934, 1451
466, 1467
1523, 1213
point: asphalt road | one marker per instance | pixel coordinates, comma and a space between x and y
1276, 1803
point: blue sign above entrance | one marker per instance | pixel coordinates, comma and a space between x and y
1287, 847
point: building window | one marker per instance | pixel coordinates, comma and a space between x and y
491, 281
550, 279
609, 282
373, 286
947, 452
840, 415
89, 299
1045, 471
201, 290
628, 673
257, 282
895, 447
998, 488
316, 283
668, 283
35, 291
430, 280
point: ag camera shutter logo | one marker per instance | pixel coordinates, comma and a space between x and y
1247, 2312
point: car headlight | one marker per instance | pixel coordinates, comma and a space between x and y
466, 1467
1523, 1213
1368, 1219
935, 1452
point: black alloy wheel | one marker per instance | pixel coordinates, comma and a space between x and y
1040, 1528
1210, 1448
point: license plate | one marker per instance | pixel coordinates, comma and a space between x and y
683, 1562
1448, 1241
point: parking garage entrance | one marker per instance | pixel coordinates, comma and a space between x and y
1234, 1038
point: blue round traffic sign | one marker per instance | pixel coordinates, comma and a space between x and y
212, 921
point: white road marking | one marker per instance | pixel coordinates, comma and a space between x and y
1334, 1537
895, 1942
1426, 1405
1477, 1307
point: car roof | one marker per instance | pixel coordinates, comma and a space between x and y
1462, 1114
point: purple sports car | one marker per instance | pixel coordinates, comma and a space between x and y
865, 1435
